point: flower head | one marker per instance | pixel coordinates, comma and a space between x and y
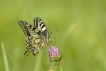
54, 54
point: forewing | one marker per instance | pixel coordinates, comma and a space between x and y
28, 29
38, 23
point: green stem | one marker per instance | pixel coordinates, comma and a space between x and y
5, 58
60, 68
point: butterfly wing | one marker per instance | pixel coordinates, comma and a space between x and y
37, 35
28, 29
30, 32
38, 23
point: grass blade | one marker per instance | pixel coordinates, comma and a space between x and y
5, 58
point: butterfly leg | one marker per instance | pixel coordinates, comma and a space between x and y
28, 50
25, 52
52, 42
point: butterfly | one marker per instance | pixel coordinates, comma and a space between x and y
37, 35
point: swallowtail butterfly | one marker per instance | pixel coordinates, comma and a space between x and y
37, 35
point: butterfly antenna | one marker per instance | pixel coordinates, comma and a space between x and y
53, 37
53, 32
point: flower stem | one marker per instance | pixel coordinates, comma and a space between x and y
60, 68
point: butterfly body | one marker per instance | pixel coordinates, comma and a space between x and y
37, 35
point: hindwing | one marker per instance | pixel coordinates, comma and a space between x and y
30, 31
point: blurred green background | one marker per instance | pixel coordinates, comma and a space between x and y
81, 34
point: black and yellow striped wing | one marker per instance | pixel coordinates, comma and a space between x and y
39, 24
28, 29
31, 35
37, 35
